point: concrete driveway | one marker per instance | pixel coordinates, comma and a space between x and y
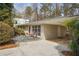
34, 48
31, 47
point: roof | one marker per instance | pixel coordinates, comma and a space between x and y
20, 21
52, 21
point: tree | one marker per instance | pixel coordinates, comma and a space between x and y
35, 10
6, 12
44, 9
74, 6
69, 9
73, 28
57, 10
28, 12
50, 5
66, 9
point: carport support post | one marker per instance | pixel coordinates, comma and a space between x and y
42, 32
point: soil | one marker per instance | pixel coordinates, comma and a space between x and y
10, 44
63, 41
68, 53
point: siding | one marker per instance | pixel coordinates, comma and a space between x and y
51, 31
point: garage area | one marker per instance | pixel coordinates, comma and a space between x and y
53, 31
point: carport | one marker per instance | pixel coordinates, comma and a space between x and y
49, 31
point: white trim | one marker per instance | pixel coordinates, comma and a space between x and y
42, 32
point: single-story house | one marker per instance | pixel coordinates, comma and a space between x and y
48, 28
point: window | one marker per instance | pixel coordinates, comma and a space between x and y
36, 29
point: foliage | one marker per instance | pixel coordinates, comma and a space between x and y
44, 9
35, 11
74, 31
6, 12
19, 31
77, 25
6, 32
66, 11
73, 28
28, 11
8, 21
57, 12
70, 23
50, 8
75, 5
73, 45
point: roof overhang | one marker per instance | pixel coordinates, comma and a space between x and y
53, 21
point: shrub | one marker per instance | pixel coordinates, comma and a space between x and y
74, 47
73, 27
8, 21
19, 31
6, 32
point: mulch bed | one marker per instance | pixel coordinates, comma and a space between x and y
63, 41
68, 53
10, 44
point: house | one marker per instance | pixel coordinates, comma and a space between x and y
48, 28
20, 21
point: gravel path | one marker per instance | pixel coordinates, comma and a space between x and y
35, 48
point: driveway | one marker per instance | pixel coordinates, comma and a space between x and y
35, 48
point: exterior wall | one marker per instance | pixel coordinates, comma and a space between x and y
63, 31
51, 31
26, 28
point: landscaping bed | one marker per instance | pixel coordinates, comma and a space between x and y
63, 41
68, 53
10, 44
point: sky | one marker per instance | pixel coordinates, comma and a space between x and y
20, 7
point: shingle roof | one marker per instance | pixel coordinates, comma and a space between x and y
53, 21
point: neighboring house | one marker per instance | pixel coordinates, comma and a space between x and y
48, 28
20, 21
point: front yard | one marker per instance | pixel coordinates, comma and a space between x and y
28, 47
